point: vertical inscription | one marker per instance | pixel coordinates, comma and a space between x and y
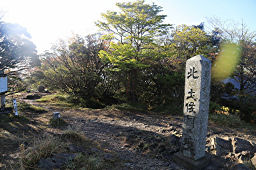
196, 103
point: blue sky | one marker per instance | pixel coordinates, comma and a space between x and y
196, 11
49, 20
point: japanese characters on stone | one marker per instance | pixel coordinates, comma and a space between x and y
191, 97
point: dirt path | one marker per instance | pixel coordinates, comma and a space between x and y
114, 128
142, 141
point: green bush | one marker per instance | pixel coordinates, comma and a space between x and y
247, 109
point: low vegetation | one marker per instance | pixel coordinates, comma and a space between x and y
25, 107
58, 123
57, 99
87, 154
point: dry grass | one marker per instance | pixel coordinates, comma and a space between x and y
42, 148
90, 156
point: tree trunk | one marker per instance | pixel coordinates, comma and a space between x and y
131, 86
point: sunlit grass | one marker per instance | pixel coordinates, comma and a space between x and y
56, 99
90, 154
23, 106
53, 98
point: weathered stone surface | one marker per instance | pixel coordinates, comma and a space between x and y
253, 160
242, 145
244, 156
196, 106
222, 146
254, 148
240, 167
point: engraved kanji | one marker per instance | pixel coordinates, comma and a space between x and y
191, 95
190, 107
192, 72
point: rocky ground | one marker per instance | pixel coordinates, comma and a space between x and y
139, 140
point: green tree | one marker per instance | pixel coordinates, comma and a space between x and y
188, 41
135, 31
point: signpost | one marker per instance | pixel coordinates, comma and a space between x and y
3, 88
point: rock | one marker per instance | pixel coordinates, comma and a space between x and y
253, 160
56, 115
57, 161
244, 156
41, 89
33, 96
222, 146
254, 148
240, 145
240, 167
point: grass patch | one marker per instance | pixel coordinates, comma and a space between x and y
230, 120
88, 154
42, 148
23, 106
130, 107
53, 98
74, 136
58, 123
173, 109
57, 99
93, 156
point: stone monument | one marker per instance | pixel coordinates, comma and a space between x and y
196, 107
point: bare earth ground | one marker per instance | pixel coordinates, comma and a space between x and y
123, 132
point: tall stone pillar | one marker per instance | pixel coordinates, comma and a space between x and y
196, 107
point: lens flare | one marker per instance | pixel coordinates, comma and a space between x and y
226, 61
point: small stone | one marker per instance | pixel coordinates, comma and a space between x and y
242, 145
41, 89
56, 115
